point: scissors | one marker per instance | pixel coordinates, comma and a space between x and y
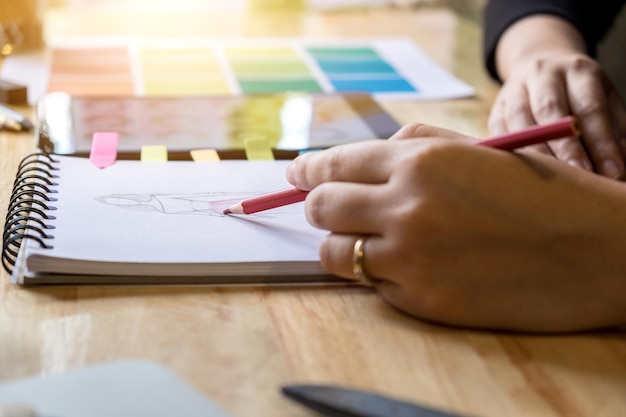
336, 401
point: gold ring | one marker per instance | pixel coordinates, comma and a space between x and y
358, 267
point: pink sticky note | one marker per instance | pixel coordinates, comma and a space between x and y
103, 149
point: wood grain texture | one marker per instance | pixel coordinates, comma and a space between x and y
238, 345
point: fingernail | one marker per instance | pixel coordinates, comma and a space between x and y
611, 169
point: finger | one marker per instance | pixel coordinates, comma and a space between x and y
517, 115
547, 97
420, 130
539, 148
337, 250
512, 112
364, 162
618, 117
419, 301
496, 123
343, 207
571, 151
549, 101
498, 126
400, 298
589, 104
517, 112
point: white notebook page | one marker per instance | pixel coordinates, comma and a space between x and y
170, 214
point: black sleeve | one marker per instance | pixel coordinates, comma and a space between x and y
593, 19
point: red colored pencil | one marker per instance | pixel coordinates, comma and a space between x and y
532, 135
268, 201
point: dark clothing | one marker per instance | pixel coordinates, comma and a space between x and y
593, 18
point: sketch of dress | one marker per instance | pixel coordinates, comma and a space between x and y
209, 203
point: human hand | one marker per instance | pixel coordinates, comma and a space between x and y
472, 236
545, 89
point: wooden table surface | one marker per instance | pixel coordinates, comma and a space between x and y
239, 345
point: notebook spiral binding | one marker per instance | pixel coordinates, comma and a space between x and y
28, 215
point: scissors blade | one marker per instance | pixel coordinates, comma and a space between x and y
334, 401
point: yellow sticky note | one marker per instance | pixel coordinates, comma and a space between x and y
258, 150
154, 153
204, 155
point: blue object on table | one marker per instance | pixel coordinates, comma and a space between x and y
133, 388
334, 401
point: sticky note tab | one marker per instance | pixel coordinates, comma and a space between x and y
258, 150
205, 155
154, 153
103, 149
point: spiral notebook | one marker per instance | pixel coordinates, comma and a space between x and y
147, 222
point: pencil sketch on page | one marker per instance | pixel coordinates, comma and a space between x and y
208, 203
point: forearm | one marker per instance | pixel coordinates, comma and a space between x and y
536, 37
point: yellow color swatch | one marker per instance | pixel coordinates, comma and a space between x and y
175, 72
205, 155
258, 150
154, 153
247, 53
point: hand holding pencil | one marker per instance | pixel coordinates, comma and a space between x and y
508, 142
470, 235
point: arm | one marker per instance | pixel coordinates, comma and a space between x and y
537, 247
544, 61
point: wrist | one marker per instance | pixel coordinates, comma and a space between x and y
535, 38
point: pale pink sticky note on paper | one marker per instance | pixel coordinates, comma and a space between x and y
104, 149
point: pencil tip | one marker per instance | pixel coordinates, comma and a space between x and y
227, 211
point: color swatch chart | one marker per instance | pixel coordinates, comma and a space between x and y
385, 67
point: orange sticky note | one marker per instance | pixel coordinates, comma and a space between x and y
205, 155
